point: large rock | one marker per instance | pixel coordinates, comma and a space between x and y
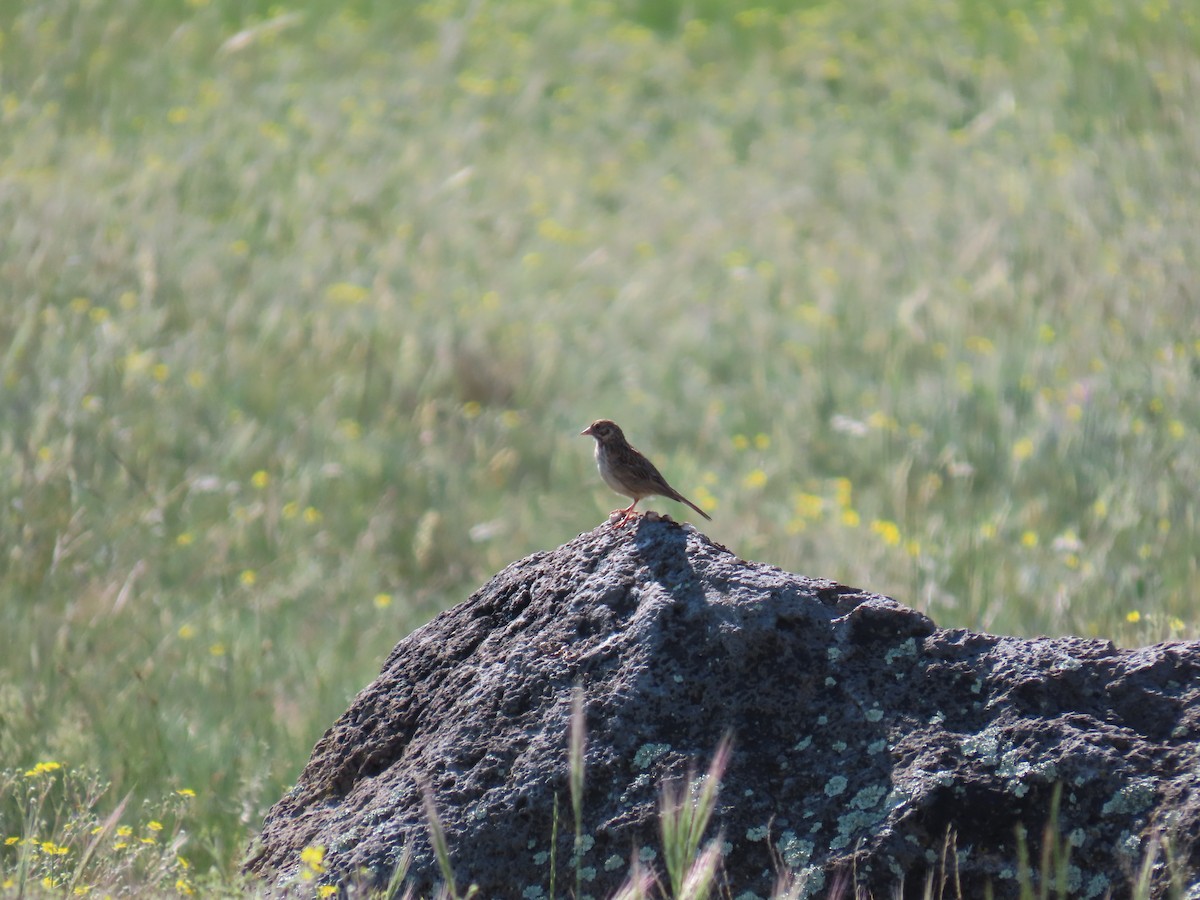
870, 747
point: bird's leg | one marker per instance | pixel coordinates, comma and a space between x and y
626, 513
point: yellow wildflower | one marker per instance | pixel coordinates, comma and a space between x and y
888, 531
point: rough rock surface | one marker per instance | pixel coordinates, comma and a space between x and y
870, 747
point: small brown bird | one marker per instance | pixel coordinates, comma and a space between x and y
627, 472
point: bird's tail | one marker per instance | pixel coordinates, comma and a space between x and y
682, 499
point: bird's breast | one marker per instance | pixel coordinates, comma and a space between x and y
606, 472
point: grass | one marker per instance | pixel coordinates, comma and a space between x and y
303, 310
66, 849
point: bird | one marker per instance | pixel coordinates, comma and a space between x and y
627, 471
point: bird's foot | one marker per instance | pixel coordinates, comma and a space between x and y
625, 515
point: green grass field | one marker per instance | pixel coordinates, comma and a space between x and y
302, 310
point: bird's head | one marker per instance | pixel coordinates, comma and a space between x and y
604, 430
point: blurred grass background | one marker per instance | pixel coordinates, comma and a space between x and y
303, 309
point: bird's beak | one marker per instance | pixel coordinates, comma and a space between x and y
587, 430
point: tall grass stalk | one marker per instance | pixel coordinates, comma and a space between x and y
554, 846
399, 873
576, 766
441, 850
684, 813
1053, 858
638, 885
